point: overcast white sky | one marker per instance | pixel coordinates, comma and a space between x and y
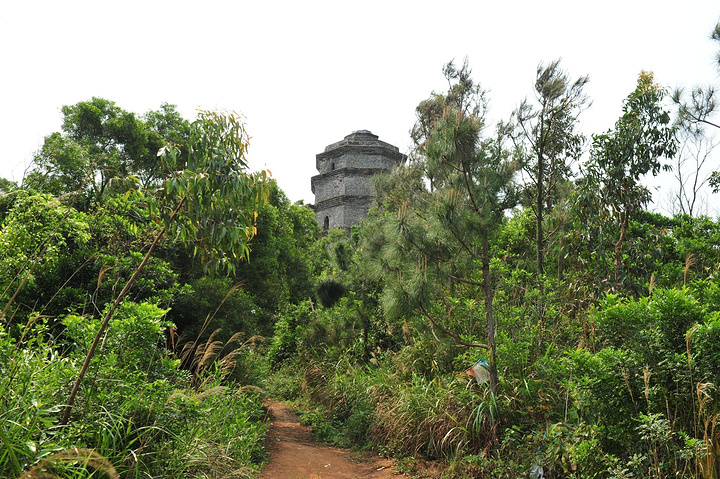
306, 74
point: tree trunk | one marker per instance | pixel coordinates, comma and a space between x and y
491, 327
540, 200
539, 234
625, 221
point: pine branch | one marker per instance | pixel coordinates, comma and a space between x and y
466, 281
458, 340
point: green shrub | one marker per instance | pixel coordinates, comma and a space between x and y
705, 348
134, 341
607, 390
33, 385
287, 335
209, 304
285, 382
676, 311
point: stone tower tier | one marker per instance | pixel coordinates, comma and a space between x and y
344, 186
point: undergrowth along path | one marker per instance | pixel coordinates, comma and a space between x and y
294, 454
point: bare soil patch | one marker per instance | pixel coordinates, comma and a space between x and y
294, 454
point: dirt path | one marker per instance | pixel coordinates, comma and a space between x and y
295, 455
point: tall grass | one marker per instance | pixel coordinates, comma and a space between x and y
140, 416
375, 406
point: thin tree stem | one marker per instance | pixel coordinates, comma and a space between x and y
109, 315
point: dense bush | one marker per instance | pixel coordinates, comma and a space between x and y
600, 321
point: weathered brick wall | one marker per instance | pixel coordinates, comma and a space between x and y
346, 181
342, 216
356, 159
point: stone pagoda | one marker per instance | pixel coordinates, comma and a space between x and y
343, 187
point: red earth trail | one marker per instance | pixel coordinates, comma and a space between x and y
294, 454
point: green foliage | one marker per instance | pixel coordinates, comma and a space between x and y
642, 136
217, 432
611, 190
32, 385
281, 269
209, 304
694, 254
287, 335
121, 223
647, 324
704, 345
6, 186
138, 417
104, 149
347, 422
134, 342
330, 291
676, 311
218, 200
39, 223
285, 382
157, 283
61, 166
607, 393
38, 235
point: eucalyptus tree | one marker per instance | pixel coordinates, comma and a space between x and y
641, 138
211, 202
432, 239
547, 142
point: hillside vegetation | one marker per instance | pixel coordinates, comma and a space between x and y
510, 308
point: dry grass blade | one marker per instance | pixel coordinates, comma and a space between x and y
689, 263
653, 284
646, 380
209, 353
228, 362
101, 275
56, 465
710, 461
702, 390
235, 338
213, 391
202, 356
205, 352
